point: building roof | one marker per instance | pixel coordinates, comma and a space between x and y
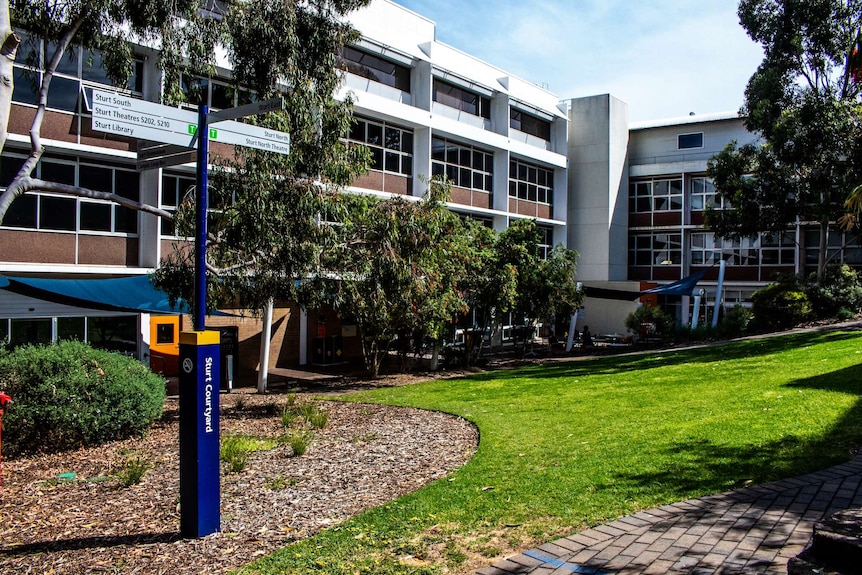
691, 119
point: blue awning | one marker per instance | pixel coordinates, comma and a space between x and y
680, 287
133, 294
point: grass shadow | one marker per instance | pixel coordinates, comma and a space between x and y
704, 466
612, 364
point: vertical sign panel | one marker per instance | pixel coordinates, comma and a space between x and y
200, 490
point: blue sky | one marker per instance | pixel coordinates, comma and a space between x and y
665, 58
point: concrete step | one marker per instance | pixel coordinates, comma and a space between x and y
836, 548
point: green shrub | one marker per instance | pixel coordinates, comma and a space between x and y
69, 395
132, 471
735, 321
781, 305
650, 320
839, 288
299, 441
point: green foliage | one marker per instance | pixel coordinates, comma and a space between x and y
257, 196
736, 321
132, 471
804, 100
70, 395
839, 288
781, 305
400, 262
236, 448
650, 321
315, 416
299, 441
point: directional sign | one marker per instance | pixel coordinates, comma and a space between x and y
253, 109
250, 136
148, 150
127, 116
186, 157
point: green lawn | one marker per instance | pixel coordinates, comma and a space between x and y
570, 445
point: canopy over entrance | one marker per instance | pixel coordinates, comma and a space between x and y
132, 294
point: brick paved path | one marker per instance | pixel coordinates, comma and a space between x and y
753, 530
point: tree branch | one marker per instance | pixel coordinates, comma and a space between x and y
27, 184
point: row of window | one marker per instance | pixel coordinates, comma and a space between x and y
665, 195
465, 166
391, 147
114, 333
397, 76
530, 182
706, 250
63, 213
77, 72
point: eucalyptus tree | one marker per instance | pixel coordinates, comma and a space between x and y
804, 101
264, 219
394, 267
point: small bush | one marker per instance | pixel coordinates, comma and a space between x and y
235, 449
132, 471
843, 314
839, 289
70, 395
781, 305
736, 321
649, 320
299, 441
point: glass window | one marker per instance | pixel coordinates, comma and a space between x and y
118, 333
22, 212
375, 68
95, 217
56, 213
526, 188
465, 165
688, 141
391, 147
461, 99
222, 96
26, 331
165, 333
9, 166
96, 178
63, 94
26, 90
57, 172
92, 70
71, 328
529, 124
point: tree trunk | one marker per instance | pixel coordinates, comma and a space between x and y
8, 49
821, 250
435, 355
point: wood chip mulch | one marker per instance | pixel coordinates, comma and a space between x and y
365, 456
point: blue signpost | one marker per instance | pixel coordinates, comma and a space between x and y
199, 350
200, 491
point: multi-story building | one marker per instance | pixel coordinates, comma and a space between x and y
637, 194
423, 108
629, 198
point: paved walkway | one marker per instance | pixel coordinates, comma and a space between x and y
752, 530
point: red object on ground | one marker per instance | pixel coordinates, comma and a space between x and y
5, 400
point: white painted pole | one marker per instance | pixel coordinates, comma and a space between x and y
718, 289
303, 336
265, 329
696, 314
570, 342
